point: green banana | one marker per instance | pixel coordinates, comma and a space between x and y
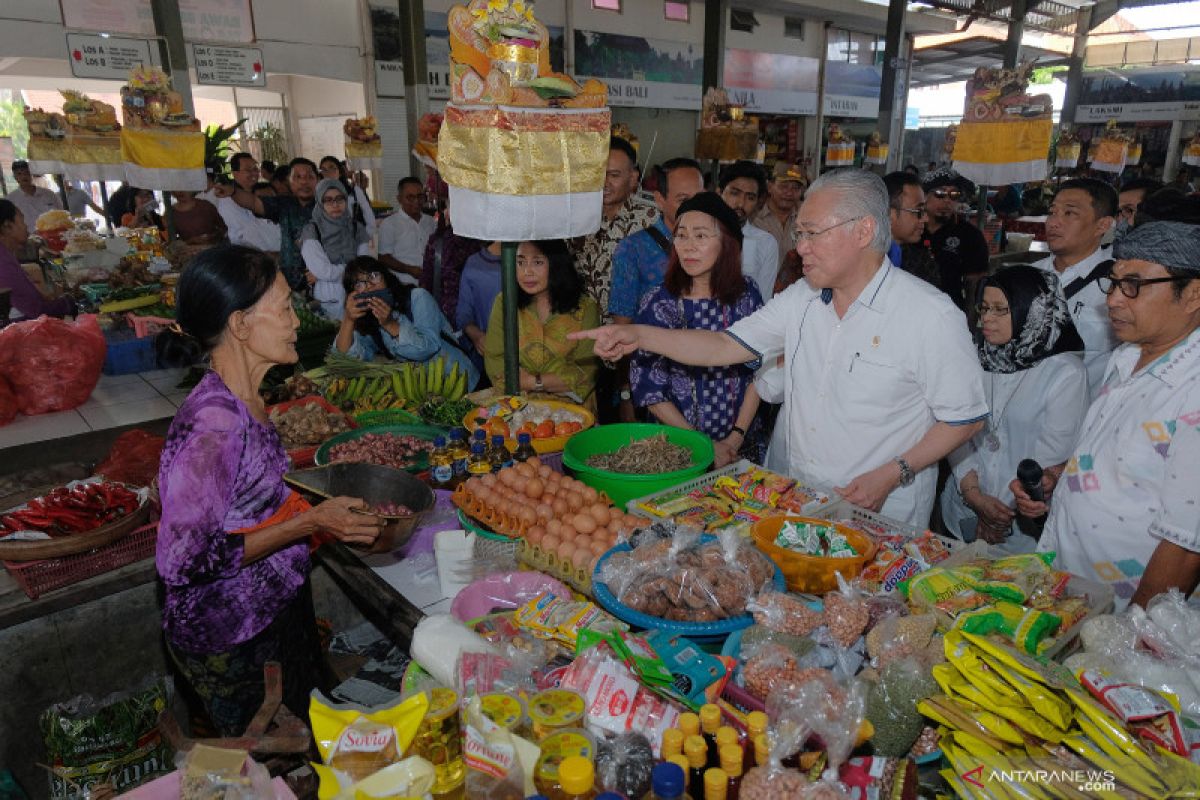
381, 385
409, 388
451, 379
397, 384
435, 376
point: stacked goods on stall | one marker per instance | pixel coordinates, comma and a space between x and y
359, 386
549, 423
877, 149
1067, 149
725, 133
147, 101
839, 149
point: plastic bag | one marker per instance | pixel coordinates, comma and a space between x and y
52, 364
891, 706
8, 402
133, 458
356, 742
209, 772
624, 764
1180, 621
491, 755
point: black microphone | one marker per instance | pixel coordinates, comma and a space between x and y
1029, 473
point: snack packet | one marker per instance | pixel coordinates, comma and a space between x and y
356, 742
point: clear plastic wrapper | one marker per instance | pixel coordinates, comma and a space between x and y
785, 613
788, 732
624, 763
1178, 620
213, 773
846, 613
491, 754
892, 706
897, 638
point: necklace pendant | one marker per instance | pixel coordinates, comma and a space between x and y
991, 442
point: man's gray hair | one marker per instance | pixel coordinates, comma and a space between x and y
862, 194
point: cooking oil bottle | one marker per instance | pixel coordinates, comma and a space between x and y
441, 464
478, 464
459, 452
576, 779
499, 454
525, 449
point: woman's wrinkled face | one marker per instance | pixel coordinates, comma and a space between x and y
334, 203
269, 326
995, 317
533, 269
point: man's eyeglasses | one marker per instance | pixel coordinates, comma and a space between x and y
946, 194
339, 200
995, 311
808, 236
919, 213
365, 279
1131, 287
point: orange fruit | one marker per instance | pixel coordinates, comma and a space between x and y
544, 430
498, 427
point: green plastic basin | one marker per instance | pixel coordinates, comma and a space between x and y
622, 487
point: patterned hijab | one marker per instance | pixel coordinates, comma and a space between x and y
340, 237
1041, 323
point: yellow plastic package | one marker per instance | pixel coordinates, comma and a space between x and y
356, 742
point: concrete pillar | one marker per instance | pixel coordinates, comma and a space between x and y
416, 71
169, 27
1083, 24
895, 75
1016, 29
819, 153
1174, 152
715, 14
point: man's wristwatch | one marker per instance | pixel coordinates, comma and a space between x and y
626, 396
538, 386
907, 476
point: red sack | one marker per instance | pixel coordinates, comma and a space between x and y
133, 458
8, 402
52, 364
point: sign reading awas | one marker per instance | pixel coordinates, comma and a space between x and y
217, 65
106, 57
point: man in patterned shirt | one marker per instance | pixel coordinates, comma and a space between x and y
623, 213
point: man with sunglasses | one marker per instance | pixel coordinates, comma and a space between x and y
958, 246
1124, 506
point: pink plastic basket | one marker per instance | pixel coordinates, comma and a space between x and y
147, 326
38, 577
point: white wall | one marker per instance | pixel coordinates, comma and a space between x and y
768, 37
311, 37
640, 18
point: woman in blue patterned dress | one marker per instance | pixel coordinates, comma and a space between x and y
703, 289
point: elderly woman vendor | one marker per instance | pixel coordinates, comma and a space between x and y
233, 542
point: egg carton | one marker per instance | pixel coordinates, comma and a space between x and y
579, 579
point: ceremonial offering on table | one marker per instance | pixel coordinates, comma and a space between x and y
839, 152
1135, 153
877, 149
426, 148
364, 148
83, 141
522, 148
1005, 133
1191, 155
161, 144
1067, 150
1110, 152
725, 134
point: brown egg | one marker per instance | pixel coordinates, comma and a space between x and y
584, 523
583, 556
534, 488
554, 525
488, 480
565, 551
528, 515
592, 564
550, 543
506, 477
568, 531
590, 495
534, 534
534, 461
574, 501
544, 511
634, 521
600, 513
524, 470
560, 506
600, 546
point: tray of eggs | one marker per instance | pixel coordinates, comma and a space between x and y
563, 525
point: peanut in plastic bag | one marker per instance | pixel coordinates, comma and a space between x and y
213, 772
356, 742
784, 613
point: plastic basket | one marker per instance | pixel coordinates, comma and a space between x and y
147, 326
634, 506
303, 456
878, 524
623, 487
489, 544
38, 577
812, 574
125, 354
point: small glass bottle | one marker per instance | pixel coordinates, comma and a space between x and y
732, 761
672, 743
756, 725
478, 464
441, 464
460, 452
689, 723
577, 778
696, 750
716, 783
710, 722
525, 449
666, 782
499, 454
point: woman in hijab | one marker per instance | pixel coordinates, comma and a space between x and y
1037, 392
328, 243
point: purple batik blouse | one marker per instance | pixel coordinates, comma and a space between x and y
221, 471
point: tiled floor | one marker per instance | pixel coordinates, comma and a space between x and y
117, 400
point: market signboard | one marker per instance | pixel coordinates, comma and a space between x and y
651, 73
1143, 94
852, 90
218, 65
106, 57
772, 83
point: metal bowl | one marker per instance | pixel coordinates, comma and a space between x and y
373, 484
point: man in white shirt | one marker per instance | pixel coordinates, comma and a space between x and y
1083, 211
881, 374
1124, 507
32, 200
743, 186
244, 227
403, 235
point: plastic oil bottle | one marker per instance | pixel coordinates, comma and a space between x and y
576, 779
666, 782
441, 464
525, 449
499, 454
696, 750
689, 723
716, 782
478, 464
681, 762
710, 722
459, 453
727, 735
732, 764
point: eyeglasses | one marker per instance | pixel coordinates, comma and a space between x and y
996, 311
1131, 287
340, 200
808, 236
946, 194
366, 279
919, 213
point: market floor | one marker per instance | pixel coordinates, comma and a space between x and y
117, 400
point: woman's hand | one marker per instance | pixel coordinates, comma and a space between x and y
334, 516
1028, 507
381, 310
354, 311
725, 451
310, 277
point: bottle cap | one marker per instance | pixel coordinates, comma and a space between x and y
524, 438
696, 750
710, 718
481, 434
497, 438
672, 742
439, 441
756, 723
731, 759
456, 433
761, 751
726, 735
715, 780
477, 448
667, 779
610, 796
689, 723
576, 775
683, 765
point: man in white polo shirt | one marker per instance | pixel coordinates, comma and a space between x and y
1083, 211
882, 378
403, 235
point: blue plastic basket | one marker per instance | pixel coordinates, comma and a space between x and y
125, 354
700, 631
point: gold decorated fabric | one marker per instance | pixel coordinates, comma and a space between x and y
360, 150
1008, 142
727, 144
77, 150
521, 152
159, 149
839, 154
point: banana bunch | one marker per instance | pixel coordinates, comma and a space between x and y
402, 386
365, 393
422, 381
1011, 726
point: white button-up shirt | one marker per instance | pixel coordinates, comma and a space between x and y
864, 388
34, 205
759, 259
404, 239
1036, 413
1132, 476
246, 229
1090, 315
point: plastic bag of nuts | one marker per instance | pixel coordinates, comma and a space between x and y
846, 613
